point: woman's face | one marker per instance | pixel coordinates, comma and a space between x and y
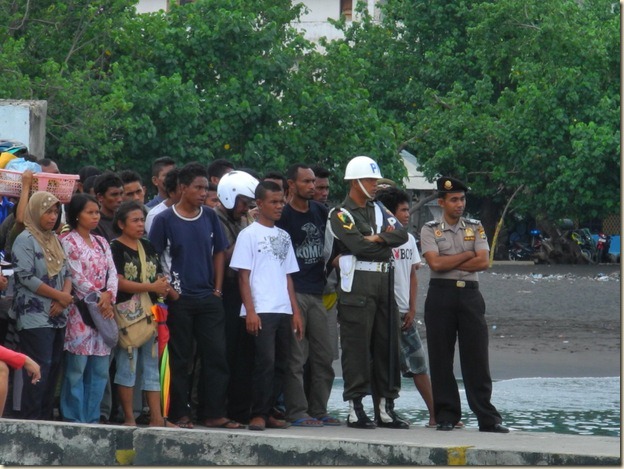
89, 217
48, 219
134, 224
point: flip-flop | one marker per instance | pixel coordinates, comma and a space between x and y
185, 422
307, 422
330, 421
431, 425
228, 424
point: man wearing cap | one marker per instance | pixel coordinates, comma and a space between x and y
456, 249
365, 234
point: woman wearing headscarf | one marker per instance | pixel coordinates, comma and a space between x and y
42, 294
93, 270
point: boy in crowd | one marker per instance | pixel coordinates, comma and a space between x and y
108, 189
160, 168
197, 246
406, 262
264, 258
133, 188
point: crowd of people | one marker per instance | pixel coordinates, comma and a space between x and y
266, 285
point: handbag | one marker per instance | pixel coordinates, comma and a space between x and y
91, 316
134, 317
107, 328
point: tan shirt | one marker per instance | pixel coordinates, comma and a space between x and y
467, 235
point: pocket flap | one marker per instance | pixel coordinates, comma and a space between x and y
352, 300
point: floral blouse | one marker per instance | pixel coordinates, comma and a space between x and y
88, 266
30, 309
128, 264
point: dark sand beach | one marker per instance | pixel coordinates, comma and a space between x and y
548, 321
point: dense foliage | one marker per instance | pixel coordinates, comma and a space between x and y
500, 93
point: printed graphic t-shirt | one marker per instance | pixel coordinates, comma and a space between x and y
269, 255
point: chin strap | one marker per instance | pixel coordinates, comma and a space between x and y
364, 190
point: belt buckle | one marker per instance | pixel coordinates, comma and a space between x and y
460, 284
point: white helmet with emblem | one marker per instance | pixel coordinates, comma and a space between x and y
362, 167
233, 184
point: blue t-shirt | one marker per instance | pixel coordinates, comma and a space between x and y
191, 243
307, 232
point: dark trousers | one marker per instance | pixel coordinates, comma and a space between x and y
458, 314
204, 320
45, 346
271, 349
370, 358
240, 353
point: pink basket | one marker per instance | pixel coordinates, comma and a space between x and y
60, 185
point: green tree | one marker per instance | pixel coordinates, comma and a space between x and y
501, 94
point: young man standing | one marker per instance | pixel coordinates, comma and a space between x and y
109, 193
264, 258
304, 220
456, 249
197, 244
406, 262
160, 168
133, 188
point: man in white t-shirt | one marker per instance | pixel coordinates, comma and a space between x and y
406, 262
264, 258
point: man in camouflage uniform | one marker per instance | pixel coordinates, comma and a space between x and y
456, 249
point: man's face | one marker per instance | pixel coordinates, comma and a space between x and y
271, 206
51, 168
321, 190
241, 207
111, 199
212, 199
453, 205
133, 191
369, 184
195, 193
402, 213
303, 186
159, 181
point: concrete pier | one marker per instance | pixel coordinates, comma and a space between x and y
56, 443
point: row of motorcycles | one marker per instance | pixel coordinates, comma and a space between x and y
566, 245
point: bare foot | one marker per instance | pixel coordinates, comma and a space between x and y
130, 424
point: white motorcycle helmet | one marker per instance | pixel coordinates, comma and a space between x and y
233, 184
362, 167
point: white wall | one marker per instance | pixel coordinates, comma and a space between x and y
148, 6
24, 121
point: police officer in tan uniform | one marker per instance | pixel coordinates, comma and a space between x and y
456, 249
364, 234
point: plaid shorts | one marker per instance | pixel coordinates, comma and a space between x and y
412, 357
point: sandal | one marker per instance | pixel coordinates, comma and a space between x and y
330, 421
184, 422
228, 424
307, 422
257, 423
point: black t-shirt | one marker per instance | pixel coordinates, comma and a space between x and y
128, 264
307, 232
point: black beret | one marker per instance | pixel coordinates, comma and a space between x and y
447, 185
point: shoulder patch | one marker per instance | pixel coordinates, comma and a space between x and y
473, 221
432, 223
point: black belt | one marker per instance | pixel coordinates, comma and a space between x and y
448, 283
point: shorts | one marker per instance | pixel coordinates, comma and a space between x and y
144, 361
412, 356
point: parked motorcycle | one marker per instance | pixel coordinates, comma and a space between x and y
519, 251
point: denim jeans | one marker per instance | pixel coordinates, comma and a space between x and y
83, 387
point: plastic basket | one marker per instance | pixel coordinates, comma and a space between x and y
60, 185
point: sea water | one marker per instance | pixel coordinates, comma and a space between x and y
581, 406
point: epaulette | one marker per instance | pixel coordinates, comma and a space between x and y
432, 223
473, 221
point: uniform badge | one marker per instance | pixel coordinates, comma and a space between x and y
469, 232
345, 221
469, 238
448, 185
438, 233
482, 232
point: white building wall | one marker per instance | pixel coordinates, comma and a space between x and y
150, 6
